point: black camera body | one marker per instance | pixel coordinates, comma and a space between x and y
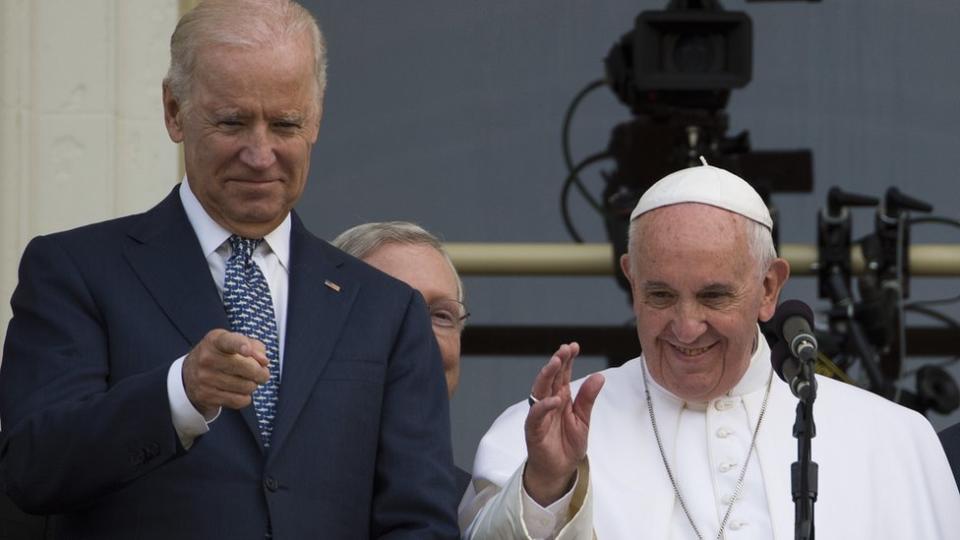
675, 71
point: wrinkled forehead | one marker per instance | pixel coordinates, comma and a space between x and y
293, 54
688, 238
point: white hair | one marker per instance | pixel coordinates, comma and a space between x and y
241, 23
760, 241
361, 241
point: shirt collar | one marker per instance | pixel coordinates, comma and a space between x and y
212, 235
757, 372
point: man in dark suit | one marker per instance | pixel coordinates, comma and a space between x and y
950, 439
416, 257
210, 369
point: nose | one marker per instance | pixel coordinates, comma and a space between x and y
688, 322
258, 152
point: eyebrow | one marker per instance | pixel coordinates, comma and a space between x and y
227, 110
709, 288
656, 285
717, 288
295, 117
233, 113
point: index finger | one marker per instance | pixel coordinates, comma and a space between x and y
549, 381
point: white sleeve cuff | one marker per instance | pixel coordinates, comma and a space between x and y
187, 420
546, 522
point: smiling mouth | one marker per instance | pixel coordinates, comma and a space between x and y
691, 352
254, 180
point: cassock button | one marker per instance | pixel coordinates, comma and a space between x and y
726, 466
722, 404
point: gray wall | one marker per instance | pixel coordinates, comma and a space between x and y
448, 113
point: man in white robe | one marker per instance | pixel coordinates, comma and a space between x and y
703, 272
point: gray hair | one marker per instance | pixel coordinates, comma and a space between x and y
241, 23
759, 242
361, 241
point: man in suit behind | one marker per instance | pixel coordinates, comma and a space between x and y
950, 439
416, 257
210, 369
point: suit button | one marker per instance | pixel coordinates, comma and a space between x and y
271, 483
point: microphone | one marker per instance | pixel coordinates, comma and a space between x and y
792, 322
794, 355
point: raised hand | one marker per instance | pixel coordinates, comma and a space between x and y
223, 370
557, 427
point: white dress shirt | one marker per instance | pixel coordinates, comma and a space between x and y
273, 258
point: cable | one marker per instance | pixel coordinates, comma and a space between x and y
564, 193
919, 306
940, 220
934, 314
936, 302
565, 140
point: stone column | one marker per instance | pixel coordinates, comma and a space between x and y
81, 124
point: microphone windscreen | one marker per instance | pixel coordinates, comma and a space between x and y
778, 355
790, 308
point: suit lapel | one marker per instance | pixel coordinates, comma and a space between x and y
166, 255
168, 259
316, 313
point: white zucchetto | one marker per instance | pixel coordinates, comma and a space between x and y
706, 184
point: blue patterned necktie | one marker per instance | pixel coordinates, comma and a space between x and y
249, 306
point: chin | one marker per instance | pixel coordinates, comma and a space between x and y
257, 211
700, 387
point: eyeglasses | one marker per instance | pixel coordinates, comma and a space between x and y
448, 314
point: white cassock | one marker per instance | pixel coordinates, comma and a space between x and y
882, 471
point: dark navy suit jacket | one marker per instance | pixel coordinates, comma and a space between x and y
361, 445
950, 438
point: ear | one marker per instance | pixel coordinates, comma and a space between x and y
773, 282
625, 267
172, 114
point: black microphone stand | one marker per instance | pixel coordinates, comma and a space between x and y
803, 472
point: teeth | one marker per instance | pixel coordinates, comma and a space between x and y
691, 352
